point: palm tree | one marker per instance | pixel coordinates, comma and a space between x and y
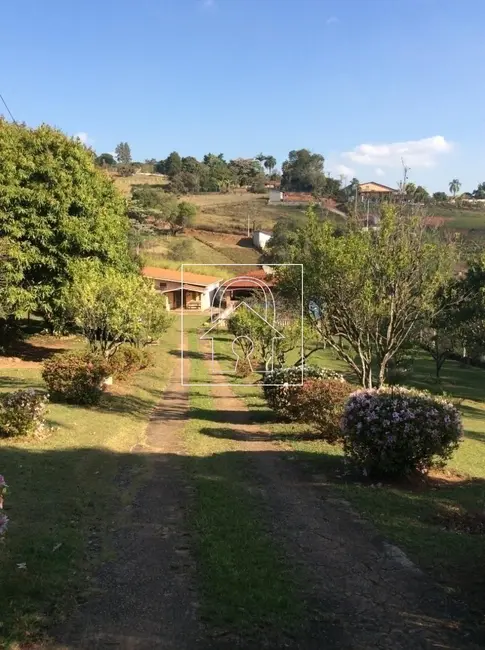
270, 164
454, 187
261, 158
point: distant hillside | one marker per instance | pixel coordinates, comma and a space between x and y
125, 183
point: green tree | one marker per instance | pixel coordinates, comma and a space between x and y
185, 183
123, 153
421, 194
270, 164
183, 217
182, 250
56, 206
279, 249
479, 193
173, 164
105, 160
303, 172
260, 158
272, 344
244, 171
373, 289
440, 196
112, 308
454, 187
191, 165
351, 189
216, 174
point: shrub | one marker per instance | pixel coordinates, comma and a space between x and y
22, 413
280, 393
321, 402
128, 360
76, 377
181, 250
397, 431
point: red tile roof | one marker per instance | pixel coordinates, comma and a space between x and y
172, 275
242, 283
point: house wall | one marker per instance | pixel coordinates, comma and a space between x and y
260, 239
208, 295
191, 292
275, 196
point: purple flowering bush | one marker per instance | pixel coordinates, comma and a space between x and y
282, 386
22, 413
397, 431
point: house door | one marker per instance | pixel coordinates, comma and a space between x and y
177, 299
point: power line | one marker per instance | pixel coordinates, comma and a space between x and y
8, 110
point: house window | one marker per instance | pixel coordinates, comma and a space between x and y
162, 285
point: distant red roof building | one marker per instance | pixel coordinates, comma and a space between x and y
297, 197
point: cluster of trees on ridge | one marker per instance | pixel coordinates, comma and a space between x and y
303, 171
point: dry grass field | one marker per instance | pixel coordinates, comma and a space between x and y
125, 183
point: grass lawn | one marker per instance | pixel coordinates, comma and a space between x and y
246, 584
428, 522
66, 493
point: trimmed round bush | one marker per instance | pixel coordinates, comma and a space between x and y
398, 431
321, 402
280, 387
76, 377
22, 413
127, 360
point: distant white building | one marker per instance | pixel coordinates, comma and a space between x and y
275, 196
260, 239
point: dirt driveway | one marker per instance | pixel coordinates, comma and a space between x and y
360, 592
365, 593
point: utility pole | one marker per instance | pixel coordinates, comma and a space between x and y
405, 178
248, 224
367, 214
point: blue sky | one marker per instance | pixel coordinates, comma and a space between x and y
244, 76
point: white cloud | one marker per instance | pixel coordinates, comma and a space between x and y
333, 20
85, 139
416, 153
343, 170
380, 172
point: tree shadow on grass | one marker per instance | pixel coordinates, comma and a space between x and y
194, 354
27, 351
14, 383
65, 504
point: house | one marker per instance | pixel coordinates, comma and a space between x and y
260, 239
196, 292
372, 191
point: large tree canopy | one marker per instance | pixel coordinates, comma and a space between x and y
303, 172
372, 289
55, 206
112, 308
